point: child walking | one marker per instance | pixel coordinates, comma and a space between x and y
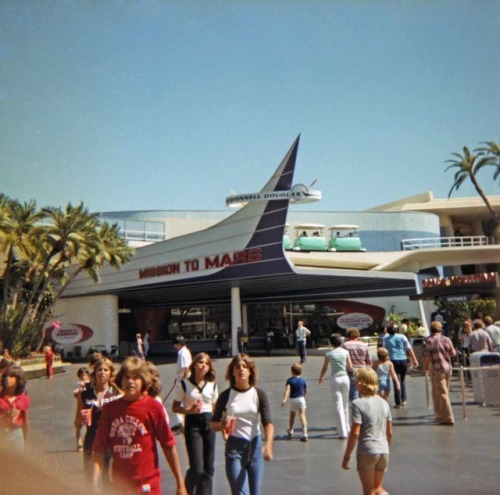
296, 390
83, 383
371, 429
385, 371
130, 428
49, 361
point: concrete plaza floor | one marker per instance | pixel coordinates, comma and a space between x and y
425, 458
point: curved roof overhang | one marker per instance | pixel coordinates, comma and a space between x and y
303, 285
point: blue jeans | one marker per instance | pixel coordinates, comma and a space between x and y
200, 446
302, 350
353, 390
244, 465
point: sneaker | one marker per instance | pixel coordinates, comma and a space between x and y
289, 432
304, 439
397, 406
177, 429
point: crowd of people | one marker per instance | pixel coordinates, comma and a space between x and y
124, 416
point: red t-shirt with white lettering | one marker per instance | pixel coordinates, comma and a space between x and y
130, 431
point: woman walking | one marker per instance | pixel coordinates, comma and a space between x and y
90, 404
239, 412
340, 363
14, 405
196, 397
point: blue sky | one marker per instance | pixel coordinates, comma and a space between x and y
135, 105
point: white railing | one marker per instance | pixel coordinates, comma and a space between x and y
141, 235
138, 230
445, 242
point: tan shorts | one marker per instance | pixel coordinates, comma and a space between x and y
372, 462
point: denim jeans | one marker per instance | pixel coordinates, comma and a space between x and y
200, 446
353, 390
302, 350
244, 465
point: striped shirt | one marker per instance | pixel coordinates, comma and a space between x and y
440, 350
359, 353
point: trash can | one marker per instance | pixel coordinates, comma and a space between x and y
418, 348
486, 377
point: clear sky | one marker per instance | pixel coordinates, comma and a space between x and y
135, 105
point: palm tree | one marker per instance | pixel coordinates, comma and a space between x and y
106, 246
491, 150
468, 166
18, 230
41, 260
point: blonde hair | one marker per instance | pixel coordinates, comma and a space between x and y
135, 367
368, 380
107, 363
382, 354
296, 369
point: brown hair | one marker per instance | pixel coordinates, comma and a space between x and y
210, 375
254, 374
353, 333
155, 389
335, 340
18, 373
136, 367
93, 357
103, 362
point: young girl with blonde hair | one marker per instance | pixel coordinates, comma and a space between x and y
371, 429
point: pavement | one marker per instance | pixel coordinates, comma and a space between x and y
425, 458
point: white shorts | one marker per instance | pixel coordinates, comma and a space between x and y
297, 403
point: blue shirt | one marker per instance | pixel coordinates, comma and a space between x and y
397, 345
298, 387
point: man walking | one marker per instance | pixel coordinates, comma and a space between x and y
184, 360
494, 332
439, 352
359, 353
480, 339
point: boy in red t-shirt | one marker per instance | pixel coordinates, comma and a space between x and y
129, 428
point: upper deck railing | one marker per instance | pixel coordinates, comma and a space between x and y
138, 230
445, 242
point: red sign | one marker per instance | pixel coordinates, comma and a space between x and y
208, 262
70, 333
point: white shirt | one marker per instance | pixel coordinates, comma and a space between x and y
302, 333
208, 395
184, 360
494, 333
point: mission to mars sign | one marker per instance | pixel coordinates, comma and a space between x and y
205, 263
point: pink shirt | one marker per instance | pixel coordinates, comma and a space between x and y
359, 353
